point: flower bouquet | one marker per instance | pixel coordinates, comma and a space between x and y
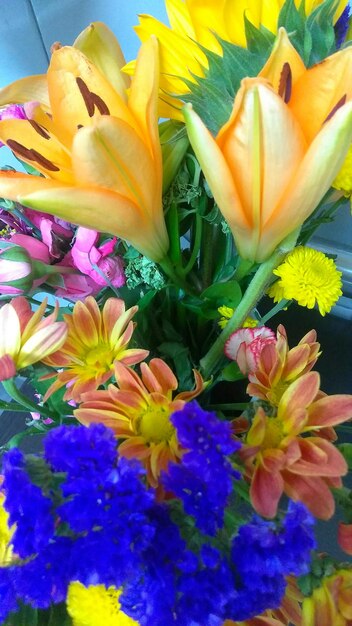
185, 451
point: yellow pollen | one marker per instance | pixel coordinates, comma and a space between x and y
154, 425
100, 357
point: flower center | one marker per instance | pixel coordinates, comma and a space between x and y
101, 357
273, 433
155, 425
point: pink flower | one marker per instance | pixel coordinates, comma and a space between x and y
35, 248
77, 287
85, 255
245, 346
56, 233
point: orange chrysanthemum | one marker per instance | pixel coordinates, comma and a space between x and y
289, 612
27, 337
280, 460
331, 603
95, 341
139, 410
279, 366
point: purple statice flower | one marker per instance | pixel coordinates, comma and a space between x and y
264, 553
27, 506
81, 451
203, 479
341, 27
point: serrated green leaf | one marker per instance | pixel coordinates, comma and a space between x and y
258, 39
212, 96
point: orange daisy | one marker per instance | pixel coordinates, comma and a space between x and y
94, 342
278, 366
139, 410
331, 603
290, 453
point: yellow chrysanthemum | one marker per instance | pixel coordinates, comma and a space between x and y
309, 277
343, 180
96, 606
227, 312
5, 534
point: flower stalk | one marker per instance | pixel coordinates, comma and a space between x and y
209, 364
14, 393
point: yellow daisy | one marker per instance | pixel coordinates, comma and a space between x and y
96, 606
195, 25
309, 277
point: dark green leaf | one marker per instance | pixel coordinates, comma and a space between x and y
228, 294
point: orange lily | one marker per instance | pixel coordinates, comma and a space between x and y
269, 166
139, 411
279, 460
98, 149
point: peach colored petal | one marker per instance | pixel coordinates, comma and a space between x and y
312, 491
330, 411
344, 537
265, 491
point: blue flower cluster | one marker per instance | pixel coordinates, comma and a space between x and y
93, 519
265, 553
342, 25
203, 481
101, 513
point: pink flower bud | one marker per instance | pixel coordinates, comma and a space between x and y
245, 346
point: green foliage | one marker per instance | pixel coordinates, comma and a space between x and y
346, 450
320, 568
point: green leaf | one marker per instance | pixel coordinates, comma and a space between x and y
232, 372
346, 450
228, 294
25, 616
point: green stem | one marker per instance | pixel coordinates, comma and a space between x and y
18, 396
210, 362
171, 271
278, 307
173, 228
208, 246
196, 245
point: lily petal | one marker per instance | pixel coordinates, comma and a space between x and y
312, 179
320, 89
31, 88
100, 45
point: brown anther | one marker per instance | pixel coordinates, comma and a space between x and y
337, 106
39, 129
29, 154
285, 84
86, 95
91, 100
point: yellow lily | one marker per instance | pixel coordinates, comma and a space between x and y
265, 170
194, 22
99, 149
